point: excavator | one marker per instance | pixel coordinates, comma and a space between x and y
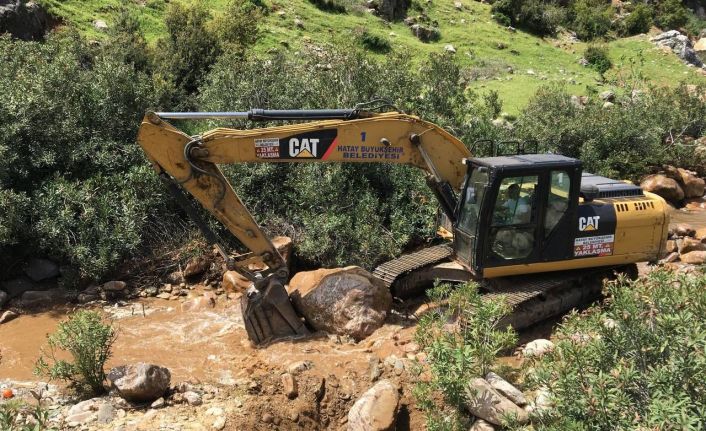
532, 228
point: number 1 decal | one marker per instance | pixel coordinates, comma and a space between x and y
362, 136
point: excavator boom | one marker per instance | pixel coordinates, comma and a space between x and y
350, 136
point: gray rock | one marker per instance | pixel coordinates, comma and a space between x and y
219, 423
376, 409
43, 298
607, 96
158, 403
100, 25
289, 386
24, 20
344, 301
505, 388
481, 425
140, 382
450, 48
41, 269
193, 398
114, 286
105, 413
486, 403
17, 286
7, 316
679, 44
537, 348
424, 33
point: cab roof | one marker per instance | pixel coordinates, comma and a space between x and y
527, 160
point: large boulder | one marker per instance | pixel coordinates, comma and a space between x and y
663, 186
694, 257
376, 409
140, 382
486, 403
393, 10
41, 269
687, 245
17, 286
346, 301
505, 388
679, 44
692, 185
43, 298
23, 20
197, 265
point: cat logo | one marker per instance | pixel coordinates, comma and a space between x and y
587, 224
306, 147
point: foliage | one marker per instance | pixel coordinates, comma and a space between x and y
639, 20
16, 415
597, 57
89, 342
592, 19
671, 14
332, 6
537, 16
374, 42
459, 351
624, 140
639, 362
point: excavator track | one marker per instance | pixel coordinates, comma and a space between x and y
389, 272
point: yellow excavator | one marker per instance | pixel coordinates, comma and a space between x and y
533, 228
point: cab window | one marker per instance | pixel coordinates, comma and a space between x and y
558, 200
514, 219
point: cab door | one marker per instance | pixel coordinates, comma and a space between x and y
467, 229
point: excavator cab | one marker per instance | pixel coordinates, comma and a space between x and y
516, 210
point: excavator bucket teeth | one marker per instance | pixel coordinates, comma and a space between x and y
268, 314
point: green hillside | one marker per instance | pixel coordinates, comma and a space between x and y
513, 63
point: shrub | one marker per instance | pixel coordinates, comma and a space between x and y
597, 57
374, 42
671, 14
592, 19
537, 16
89, 342
455, 356
639, 20
333, 6
636, 363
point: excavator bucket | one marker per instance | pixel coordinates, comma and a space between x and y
268, 314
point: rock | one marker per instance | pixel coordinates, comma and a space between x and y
197, 265
670, 258
684, 230
458, 5
671, 246
140, 382
345, 301
158, 403
608, 105
100, 25
694, 257
679, 44
393, 10
234, 282
4, 297
219, 423
299, 366
267, 418
376, 409
691, 244
543, 400
24, 20
175, 277
481, 425
607, 96
299, 23
450, 48
7, 316
506, 389
80, 418
289, 386
424, 33
164, 295
193, 398
537, 348
692, 185
41, 269
105, 414
486, 403
663, 186
699, 233
204, 302
42, 298
583, 62
17, 286
114, 286
215, 411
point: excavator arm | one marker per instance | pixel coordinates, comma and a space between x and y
349, 136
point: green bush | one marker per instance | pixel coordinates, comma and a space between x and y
537, 16
457, 354
671, 14
636, 363
597, 58
374, 42
639, 20
332, 6
592, 19
89, 342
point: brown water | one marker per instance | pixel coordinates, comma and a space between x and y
210, 344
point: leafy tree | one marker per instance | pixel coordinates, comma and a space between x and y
671, 14
639, 20
592, 19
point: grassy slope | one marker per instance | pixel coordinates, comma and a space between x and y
472, 32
